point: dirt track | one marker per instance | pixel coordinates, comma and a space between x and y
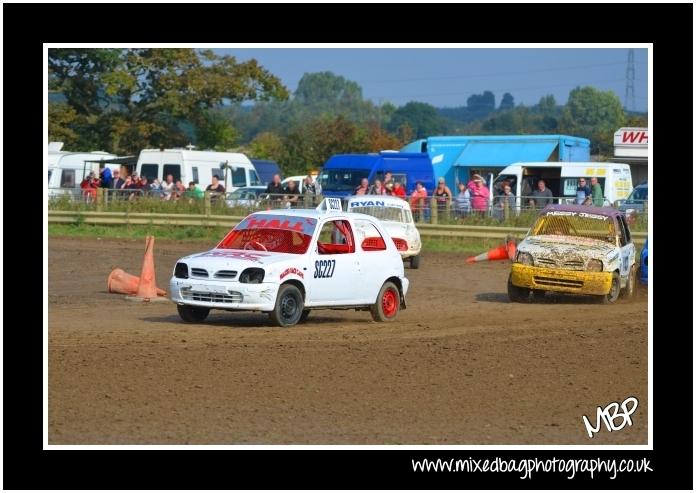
461, 366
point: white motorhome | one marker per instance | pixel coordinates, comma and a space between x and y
66, 170
562, 179
233, 169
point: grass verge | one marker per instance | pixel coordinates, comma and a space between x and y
468, 246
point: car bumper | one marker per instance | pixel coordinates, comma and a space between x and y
560, 280
223, 295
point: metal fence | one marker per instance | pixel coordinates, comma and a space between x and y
510, 210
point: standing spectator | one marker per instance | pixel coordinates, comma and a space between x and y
377, 188
363, 188
117, 181
399, 190
389, 188
462, 202
275, 188
504, 203
216, 189
179, 190
168, 187
193, 193
388, 178
479, 194
443, 196
582, 191
106, 177
89, 186
419, 201
144, 185
309, 188
542, 195
292, 194
597, 196
156, 189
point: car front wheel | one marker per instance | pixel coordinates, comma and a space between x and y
388, 302
192, 314
289, 306
516, 293
614, 290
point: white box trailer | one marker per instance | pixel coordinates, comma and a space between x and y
233, 169
66, 170
562, 179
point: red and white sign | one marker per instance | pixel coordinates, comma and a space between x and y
631, 137
631, 143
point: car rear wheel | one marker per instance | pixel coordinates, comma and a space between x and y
288, 307
516, 293
614, 291
415, 261
388, 302
192, 314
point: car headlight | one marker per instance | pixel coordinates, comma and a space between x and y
595, 265
181, 271
525, 258
252, 275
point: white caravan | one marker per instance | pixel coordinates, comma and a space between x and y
66, 170
562, 179
233, 169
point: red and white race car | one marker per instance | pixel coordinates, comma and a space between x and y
288, 262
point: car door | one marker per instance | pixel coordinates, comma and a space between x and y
335, 270
374, 259
627, 250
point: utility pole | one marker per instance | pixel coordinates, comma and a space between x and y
379, 117
630, 97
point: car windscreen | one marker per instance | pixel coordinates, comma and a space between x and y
384, 213
639, 194
342, 179
578, 224
273, 233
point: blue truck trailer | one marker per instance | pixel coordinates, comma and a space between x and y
457, 158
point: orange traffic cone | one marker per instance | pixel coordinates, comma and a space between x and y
503, 252
122, 282
147, 288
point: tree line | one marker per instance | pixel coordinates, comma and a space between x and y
123, 101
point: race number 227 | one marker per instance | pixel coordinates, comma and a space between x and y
324, 268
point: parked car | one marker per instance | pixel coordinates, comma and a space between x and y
636, 202
578, 250
245, 197
396, 216
288, 262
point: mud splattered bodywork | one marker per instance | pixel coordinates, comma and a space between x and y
572, 249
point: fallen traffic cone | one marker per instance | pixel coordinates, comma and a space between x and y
503, 252
511, 247
122, 282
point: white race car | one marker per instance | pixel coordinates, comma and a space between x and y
288, 262
396, 216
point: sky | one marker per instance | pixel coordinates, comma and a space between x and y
446, 77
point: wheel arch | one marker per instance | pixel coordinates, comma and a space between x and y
298, 285
397, 281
